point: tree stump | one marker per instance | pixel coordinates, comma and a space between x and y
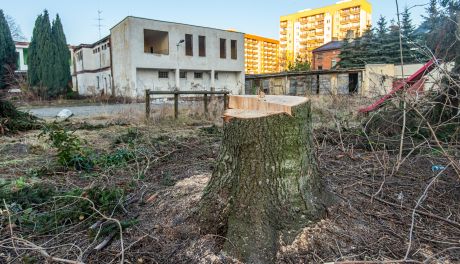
265, 187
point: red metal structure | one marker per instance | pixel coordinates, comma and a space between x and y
414, 83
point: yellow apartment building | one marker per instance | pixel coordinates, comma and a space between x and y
261, 54
306, 30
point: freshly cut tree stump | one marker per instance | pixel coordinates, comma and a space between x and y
265, 187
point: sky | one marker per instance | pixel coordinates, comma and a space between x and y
260, 17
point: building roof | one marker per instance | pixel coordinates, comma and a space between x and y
364, 4
104, 39
135, 17
260, 38
333, 45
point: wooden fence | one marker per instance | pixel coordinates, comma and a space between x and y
176, 99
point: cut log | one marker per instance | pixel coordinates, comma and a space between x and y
265, 187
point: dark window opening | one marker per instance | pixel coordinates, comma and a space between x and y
233, 49
198, 75
202, 46
188, 45
98, 85
216, 75
156, 42
163, 74
223, 48
353, 83
183, 75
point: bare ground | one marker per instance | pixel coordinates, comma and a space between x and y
370, 220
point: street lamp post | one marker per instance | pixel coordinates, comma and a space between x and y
177, 75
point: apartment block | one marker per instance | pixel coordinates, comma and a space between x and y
308, 29
261, 54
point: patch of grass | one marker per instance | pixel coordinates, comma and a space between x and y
131, 135
117, 158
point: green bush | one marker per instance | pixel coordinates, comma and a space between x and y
71, 153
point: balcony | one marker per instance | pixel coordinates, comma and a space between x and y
347, 20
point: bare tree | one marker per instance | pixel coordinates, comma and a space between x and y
15, 29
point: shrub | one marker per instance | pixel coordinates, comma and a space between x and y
71, 153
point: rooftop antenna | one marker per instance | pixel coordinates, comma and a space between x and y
99, 19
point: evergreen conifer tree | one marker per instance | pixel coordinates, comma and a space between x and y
431, 21
8, 55
366, 47
381, 41
33, 63
61, 60
48, 47
391, 46
408, 38
49, 57
41, 49
349, 56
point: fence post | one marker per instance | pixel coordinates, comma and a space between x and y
176, 105
147, 104
225, 101
205, 99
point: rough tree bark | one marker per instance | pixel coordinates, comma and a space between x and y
265, 187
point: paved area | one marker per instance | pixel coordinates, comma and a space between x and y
101, 109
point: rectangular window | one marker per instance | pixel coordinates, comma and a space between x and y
163, 75
223, 48
333, 63
202, 46
216, 75
183, 75
233, 49
188, 45
198, 75
156, 42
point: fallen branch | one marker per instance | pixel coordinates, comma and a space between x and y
43, 252
450, 222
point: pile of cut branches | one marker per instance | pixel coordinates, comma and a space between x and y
12, 120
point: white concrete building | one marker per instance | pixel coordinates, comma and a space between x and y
22, 52
145, 54
92, 68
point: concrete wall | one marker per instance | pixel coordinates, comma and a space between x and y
379, 78
93, 83
134, 70
304, 84
92, 75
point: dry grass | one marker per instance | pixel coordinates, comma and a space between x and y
175, 158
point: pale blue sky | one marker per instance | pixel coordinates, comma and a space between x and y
259, 17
